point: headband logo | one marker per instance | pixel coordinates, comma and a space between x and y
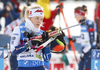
30, 12
38, 11
82, 13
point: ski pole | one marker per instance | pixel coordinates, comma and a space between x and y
69, 36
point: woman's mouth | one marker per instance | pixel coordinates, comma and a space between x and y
38, 24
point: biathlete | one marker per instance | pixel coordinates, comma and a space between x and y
27, 58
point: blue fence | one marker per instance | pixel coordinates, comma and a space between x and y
4, 39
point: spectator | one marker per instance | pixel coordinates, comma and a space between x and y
9, 13
19, 21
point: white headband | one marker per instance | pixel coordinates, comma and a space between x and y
36, 12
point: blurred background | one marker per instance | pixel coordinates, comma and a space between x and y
68, 10
10, 11
7, 16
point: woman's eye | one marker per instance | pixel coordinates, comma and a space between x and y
41, 19
37, 18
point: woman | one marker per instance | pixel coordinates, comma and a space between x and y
27, 58
88, 37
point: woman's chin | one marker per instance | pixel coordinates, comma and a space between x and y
37, 26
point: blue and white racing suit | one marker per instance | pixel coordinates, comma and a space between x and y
88, 42
27, 60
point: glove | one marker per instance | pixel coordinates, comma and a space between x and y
45, 36
63, 34
71, 39
53, 28
33, 44
28, 44
82, 56
58, 7
29, 35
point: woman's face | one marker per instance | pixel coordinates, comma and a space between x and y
78, 17
37, 20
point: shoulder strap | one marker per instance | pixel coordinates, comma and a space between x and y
22, 37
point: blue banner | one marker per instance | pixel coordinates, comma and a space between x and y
95, 60
1, 59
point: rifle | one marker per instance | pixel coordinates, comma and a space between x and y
53, 35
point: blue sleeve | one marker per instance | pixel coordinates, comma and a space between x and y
46, 54
47, 64
19, 49
91, 30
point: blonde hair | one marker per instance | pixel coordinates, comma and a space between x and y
29, 8
22, 14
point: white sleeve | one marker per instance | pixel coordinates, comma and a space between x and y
87, 48
15, 38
